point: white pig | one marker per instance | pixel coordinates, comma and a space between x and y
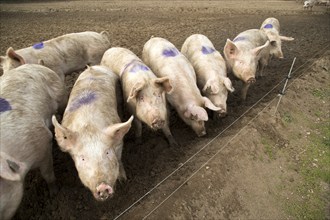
92, 133
166, 61
249, 50
271, 26
29, 96
63, 54
210, 69
144, 92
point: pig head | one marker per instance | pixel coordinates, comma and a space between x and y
11, 60
96, 155
217, 91
150, 102
195, 116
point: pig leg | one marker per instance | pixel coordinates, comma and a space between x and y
244, 90
168, 135
138, 131
47, 171
122, 174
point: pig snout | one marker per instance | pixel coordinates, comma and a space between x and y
157, 123
251, 80
201, 133
222, 113
103, 191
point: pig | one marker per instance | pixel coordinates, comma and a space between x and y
248, 50
271, 26
92, 133
309, 4
63, 54
210, 69
144, 92
165, 60
29, 96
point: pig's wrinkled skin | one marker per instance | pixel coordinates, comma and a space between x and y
142, 90
249, 50
271, 26
30, 95
210, 69
64, 54
166, 61
92, 133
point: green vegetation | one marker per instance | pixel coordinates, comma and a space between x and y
311, 199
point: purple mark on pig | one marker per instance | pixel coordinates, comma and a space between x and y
38, 45
171, 52
137, 67
239, 39
207, 50
4, 105
85, 98
268, 26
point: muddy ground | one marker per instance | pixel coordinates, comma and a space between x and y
246, 167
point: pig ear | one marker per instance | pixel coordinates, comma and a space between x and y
11, 169
257, 50
196, 113
227, 82
13, 55
230, 49
211, 87
65, 138
208, 104
135, 90
165, 83
284, 38
117, 131
41, 62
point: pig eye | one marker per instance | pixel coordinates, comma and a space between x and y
109, 153
141, 98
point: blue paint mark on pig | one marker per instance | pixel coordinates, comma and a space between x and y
268, 26
85, 98
139, 67
171, 52
239, 39
4, 105
207, 50
38, 45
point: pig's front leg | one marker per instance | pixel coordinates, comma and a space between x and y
244, 90
167, 132
138, 131
47, 171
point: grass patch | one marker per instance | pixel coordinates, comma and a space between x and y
321, 93
268, 148
314, 168
287, 117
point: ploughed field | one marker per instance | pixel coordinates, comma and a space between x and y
130, 24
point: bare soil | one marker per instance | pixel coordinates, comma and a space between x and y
248, 164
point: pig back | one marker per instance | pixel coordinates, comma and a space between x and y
94, 91
250, 39
30, 94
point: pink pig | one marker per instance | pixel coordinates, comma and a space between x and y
92, 133
271, 26
144, 92
210, 68
249, 50
63, 54
29, 96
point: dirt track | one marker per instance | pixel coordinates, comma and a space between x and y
217, 191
